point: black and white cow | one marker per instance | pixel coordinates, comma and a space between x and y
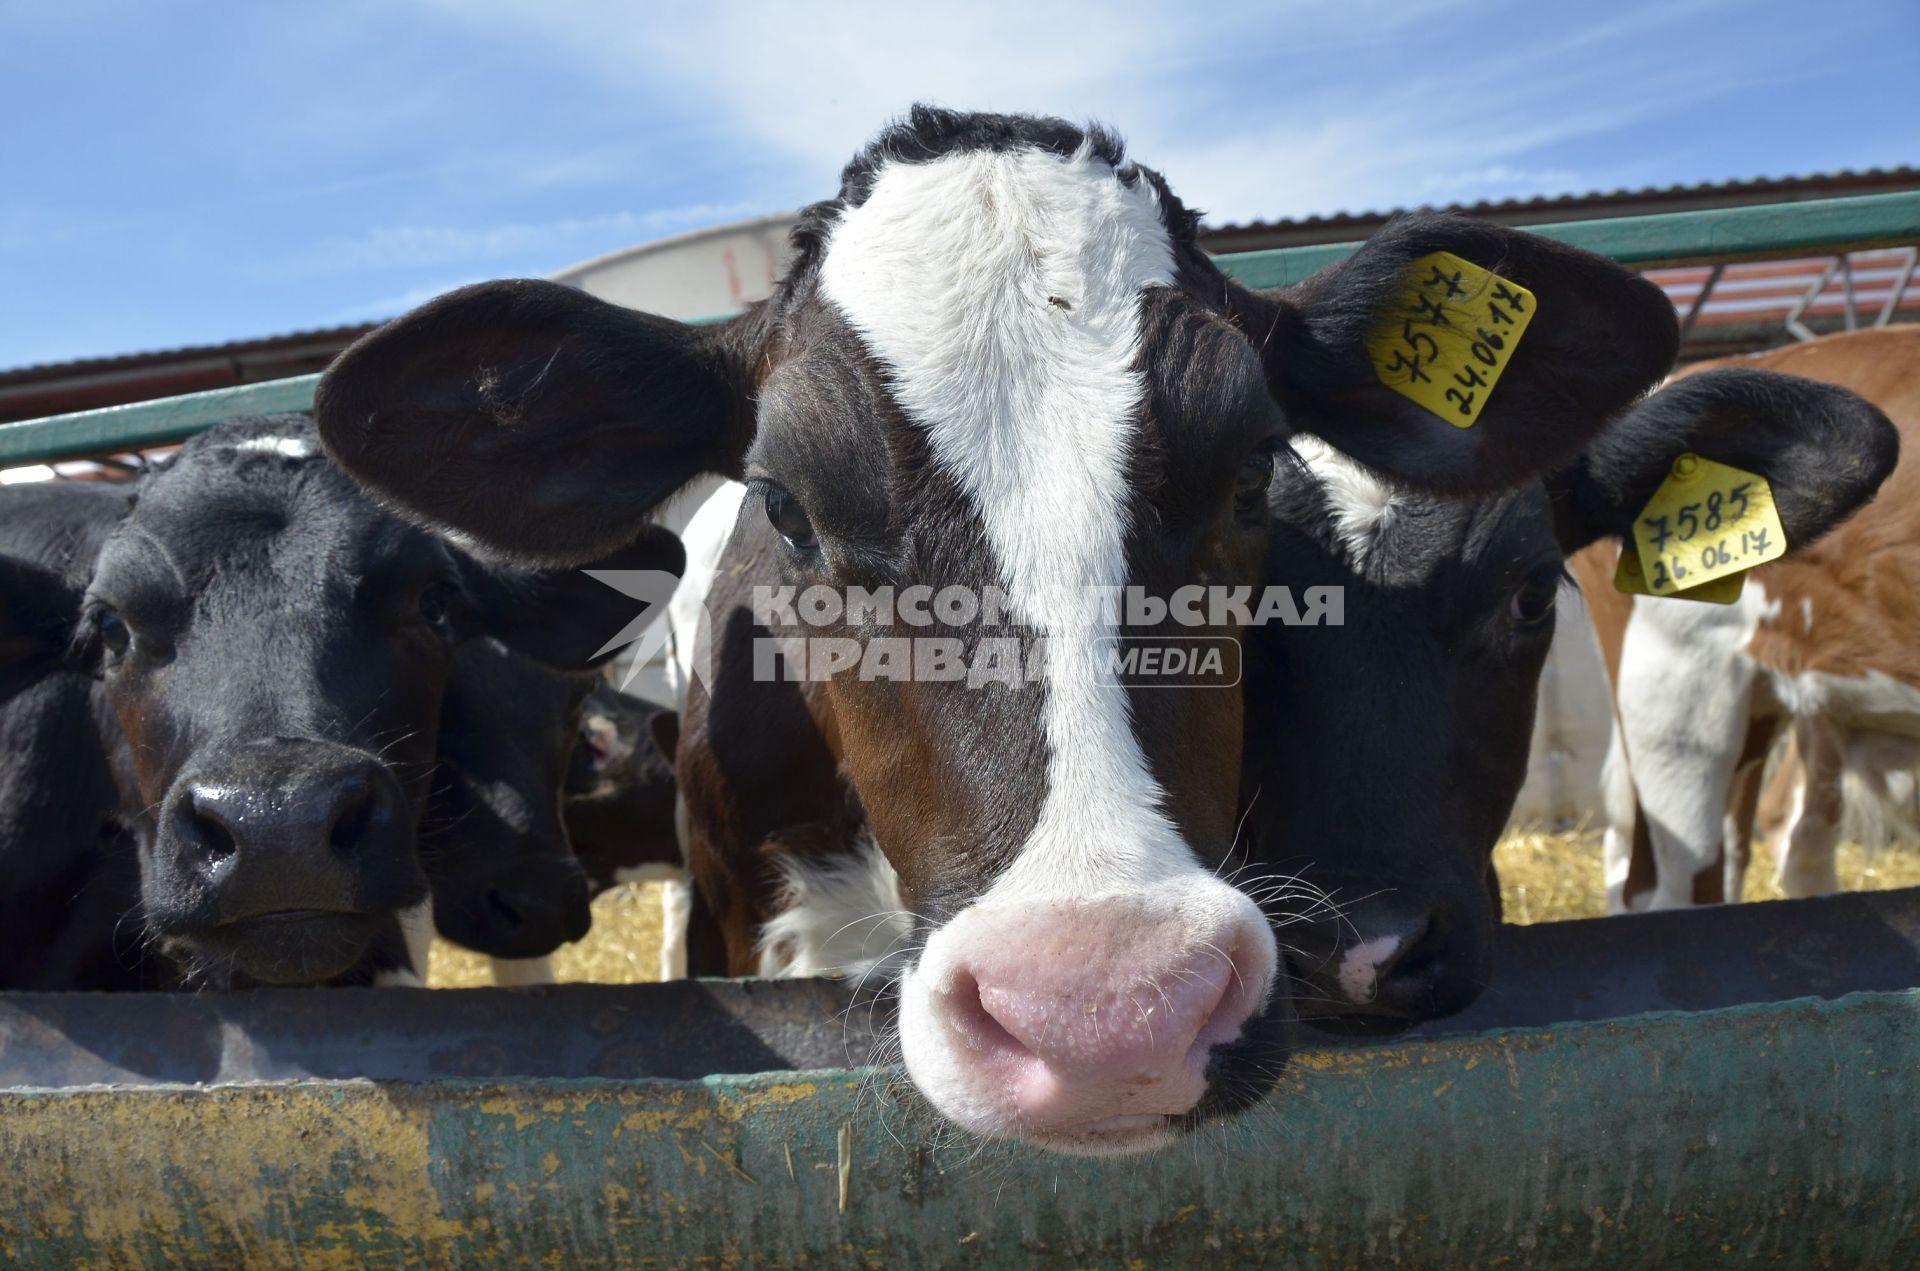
1000, 362
1384, 755
275, 650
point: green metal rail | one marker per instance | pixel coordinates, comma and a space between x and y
1779, 1135
1778, 230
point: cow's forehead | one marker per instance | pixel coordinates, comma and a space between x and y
270, 500
1000, 294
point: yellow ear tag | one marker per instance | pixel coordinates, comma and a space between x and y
1706, 521
1450, 333
1628, 578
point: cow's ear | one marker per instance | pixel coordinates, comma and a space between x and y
574, 619
39, 611
1598, 338
1823, 450
536, 419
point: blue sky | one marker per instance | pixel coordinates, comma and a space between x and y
187, 172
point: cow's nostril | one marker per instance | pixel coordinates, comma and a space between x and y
969, 1013
1418, 964
352, 819
207, 833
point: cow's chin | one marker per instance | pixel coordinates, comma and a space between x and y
290, 947
1115, 1136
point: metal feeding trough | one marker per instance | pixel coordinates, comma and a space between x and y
1722, 1090
1720, 1086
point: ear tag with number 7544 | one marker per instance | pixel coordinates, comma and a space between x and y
1449, 334
1707, 521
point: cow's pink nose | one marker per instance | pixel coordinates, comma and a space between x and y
1096, 1019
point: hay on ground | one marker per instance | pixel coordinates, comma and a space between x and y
1545, 876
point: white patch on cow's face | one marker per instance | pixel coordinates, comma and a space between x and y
1360, 965
1361, 504
1003, 295
286, 447
839, 916
1003, 292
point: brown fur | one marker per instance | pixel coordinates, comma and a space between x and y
1862, 580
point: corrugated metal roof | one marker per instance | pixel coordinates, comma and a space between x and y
1603, 202
192, 352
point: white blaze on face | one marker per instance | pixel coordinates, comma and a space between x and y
1003, 295
1003, 292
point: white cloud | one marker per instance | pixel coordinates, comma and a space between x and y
1464, 118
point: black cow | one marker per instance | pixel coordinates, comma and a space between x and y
71, 893
504, 875
275, 650
1383, 755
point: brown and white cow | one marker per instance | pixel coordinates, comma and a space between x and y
1824, 643
1000, 361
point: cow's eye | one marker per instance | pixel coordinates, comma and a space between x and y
1251, 482
1532, 604
115, 635
436, 606
790, 519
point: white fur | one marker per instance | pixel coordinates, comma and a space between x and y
1874, 702
1002, 293
839, 917
1361, 503
289, 447
1882, 789
1360, 965
1619, 804
688, 631
1686, 695
949, 272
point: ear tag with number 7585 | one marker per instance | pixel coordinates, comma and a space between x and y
1706, 521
